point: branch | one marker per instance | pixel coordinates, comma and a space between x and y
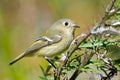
77, 41
102, 21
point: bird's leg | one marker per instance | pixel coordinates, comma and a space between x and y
49, 60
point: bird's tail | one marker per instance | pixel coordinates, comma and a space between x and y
17, 59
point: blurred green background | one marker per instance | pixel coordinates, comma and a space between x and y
22, 22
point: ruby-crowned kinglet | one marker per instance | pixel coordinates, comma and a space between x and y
53, 42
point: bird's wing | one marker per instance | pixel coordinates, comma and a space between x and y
39, 43
42, 42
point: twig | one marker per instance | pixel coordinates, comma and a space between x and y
71, 50
84, 62
51, 63
110, 6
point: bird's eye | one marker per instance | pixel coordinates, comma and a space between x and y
66, 23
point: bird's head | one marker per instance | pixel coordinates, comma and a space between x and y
65, 25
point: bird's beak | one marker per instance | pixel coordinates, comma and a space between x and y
76, 26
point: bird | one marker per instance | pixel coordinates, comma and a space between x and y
53, 42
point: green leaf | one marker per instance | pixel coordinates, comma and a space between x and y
97, 43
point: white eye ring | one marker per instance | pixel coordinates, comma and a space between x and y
66, 23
